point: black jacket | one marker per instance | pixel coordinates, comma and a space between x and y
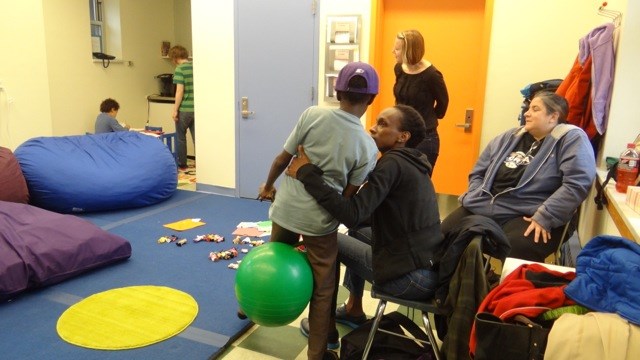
494, 243
401, 201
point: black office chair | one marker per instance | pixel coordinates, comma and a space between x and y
461, 299
426, 307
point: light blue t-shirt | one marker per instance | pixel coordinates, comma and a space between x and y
105, 123
335, 141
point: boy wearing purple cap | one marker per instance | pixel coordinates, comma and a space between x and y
336, 141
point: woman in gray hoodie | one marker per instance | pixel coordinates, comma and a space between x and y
531, 179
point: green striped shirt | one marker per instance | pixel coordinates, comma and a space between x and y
184, 75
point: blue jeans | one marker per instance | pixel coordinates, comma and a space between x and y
355, 253
186, 120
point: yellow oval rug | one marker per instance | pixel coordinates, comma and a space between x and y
127, 318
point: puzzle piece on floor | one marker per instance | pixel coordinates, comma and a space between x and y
167, 239
223, 255
209, 238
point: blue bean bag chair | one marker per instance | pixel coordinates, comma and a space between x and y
86, 173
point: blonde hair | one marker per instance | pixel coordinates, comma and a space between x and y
413, 49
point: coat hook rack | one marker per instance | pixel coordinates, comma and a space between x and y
615, 16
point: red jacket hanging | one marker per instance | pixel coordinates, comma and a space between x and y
576, 88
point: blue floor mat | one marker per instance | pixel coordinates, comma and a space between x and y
28, 322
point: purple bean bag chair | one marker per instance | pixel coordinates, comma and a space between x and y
86, 173
39, 247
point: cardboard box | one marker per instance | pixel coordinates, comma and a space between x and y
633, 198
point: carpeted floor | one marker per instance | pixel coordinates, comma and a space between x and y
28, 323
287, 342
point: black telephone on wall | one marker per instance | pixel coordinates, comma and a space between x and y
106, 59
103, 56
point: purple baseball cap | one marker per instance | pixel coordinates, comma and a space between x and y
360, 69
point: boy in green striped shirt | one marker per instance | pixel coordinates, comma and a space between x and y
183, 112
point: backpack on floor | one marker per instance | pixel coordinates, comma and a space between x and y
386, 346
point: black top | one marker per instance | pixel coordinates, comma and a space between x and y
512, 168
425, 91
401, 201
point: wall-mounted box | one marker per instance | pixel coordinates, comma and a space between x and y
330, 88
337, 56
343, 29
342, 47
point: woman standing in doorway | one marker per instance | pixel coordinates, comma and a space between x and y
420, 85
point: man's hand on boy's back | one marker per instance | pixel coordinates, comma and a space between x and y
297, 162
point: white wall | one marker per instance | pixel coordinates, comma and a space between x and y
530, 42
182, 24
214, 86
78, 84
25, 107
54, 87
624, 114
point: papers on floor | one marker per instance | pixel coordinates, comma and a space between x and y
185, 224
253, 229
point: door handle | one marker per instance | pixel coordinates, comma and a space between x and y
244, 108
468, 119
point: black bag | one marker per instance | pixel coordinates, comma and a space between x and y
600, 199
497, 340
530, 91
386, 346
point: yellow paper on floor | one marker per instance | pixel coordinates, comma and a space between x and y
185, 224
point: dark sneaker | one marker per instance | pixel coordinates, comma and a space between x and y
351, 321
330, 355
241, 315
332, 341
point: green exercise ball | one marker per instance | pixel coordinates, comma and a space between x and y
274, 284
